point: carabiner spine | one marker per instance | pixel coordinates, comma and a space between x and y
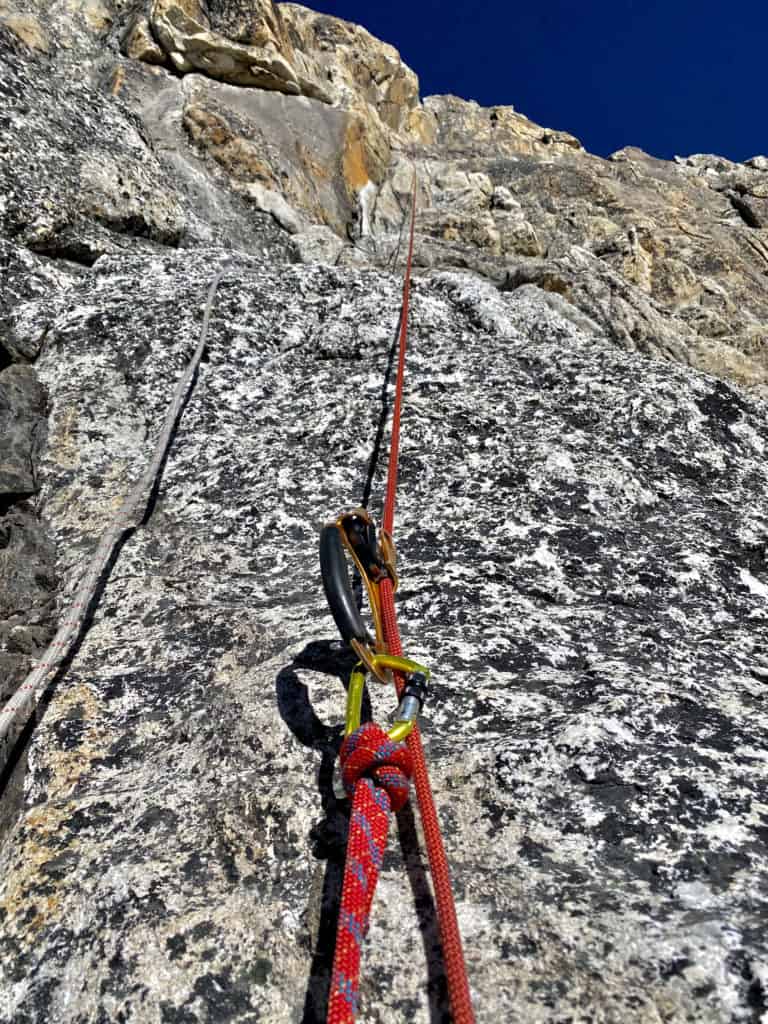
371, 587
341, 600
353, 533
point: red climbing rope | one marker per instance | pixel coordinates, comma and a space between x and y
375, 772
388, 517
450, 937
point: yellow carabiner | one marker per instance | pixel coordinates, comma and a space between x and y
410, 703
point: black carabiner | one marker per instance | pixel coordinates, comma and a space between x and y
354, 534
338, 589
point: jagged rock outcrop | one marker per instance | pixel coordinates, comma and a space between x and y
324, 136
240, 44
582, 531
496, 191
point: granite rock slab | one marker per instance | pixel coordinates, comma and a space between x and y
582, 539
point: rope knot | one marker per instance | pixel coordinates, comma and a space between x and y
369, 753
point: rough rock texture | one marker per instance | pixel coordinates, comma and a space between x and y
140, 43
27, 276
27, 595
363, 73
326, 130
64, 29
22, 405
498, 194
582, 538
676, 261
81, 175
31, 288
76, 174
26, 552
183, 31
582, 530
281, 150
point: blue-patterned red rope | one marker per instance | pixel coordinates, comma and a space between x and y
375, 772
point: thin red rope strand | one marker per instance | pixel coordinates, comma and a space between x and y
450, 937
388, 518
370, 806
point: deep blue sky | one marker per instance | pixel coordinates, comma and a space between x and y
670, 76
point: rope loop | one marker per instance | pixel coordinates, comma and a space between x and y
368, 752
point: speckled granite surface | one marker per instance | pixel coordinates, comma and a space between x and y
583, 539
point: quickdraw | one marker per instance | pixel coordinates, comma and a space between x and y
377, 766
354, 533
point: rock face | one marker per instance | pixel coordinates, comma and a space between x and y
239, 101
582, 532
499, 195
183, 32
583, 554
27, 598
76, 174
22, 405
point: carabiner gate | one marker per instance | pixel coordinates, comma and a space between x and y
411, 700
354, 533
